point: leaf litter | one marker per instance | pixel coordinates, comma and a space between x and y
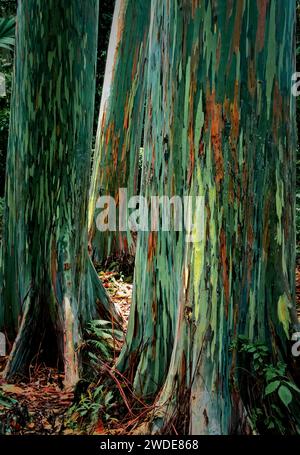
40, 406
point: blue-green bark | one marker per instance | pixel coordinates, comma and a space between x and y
121, 120
220, 123
46, 276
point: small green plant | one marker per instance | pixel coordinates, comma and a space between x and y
7, 33
7, 407
96, 405
6, 401
102, 340
271, 397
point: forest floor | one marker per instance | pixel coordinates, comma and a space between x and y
40, 405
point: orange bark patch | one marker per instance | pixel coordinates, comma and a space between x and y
103, 120
226, 109
214, 113
115, 151
135, 62
245, 177
235, 125
109, 131
235, 114
193, 89
126, 114
251, 78
195, 5
124, 153
262, 11
152, 241
124, 241
153, 157
238, 25
120, 29
192, 97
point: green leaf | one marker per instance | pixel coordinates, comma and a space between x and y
285, 395
292, 386
272, 387
108, 398
5, 401
7, 33
93, 356
270, 375
242, 338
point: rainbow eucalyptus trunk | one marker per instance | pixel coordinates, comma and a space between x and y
49, 289
118, 144
220, 124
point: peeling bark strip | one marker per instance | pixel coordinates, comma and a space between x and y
117, 151
215, 68
46, 277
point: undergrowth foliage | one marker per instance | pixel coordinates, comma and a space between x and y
95, 403
104, 398
269, 393
102, 340
95, 407
6, 404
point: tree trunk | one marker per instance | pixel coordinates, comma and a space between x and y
118, 144
49, 288
220, 124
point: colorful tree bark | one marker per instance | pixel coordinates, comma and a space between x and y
220, 123
48, 283
118, 143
